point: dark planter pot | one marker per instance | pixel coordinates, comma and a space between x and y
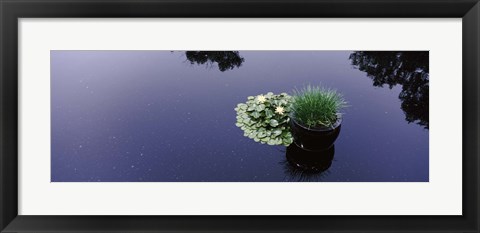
315, 139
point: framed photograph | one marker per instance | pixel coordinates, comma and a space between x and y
239, 116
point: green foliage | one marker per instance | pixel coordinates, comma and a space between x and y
316, 106
264, 118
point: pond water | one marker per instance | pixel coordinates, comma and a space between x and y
168, 116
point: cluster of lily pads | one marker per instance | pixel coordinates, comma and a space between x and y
265, 118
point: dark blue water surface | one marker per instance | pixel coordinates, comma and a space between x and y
157, 116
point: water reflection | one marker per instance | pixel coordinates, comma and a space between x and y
409, 69
303, 165
226, 60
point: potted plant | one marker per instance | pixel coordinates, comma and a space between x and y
265, 118
315, 119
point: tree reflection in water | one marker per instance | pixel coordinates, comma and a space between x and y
409, 69
226, 60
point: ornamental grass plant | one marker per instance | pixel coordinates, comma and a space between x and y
316, 107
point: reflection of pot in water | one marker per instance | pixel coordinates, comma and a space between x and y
311, 162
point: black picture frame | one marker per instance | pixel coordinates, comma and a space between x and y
11, 11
